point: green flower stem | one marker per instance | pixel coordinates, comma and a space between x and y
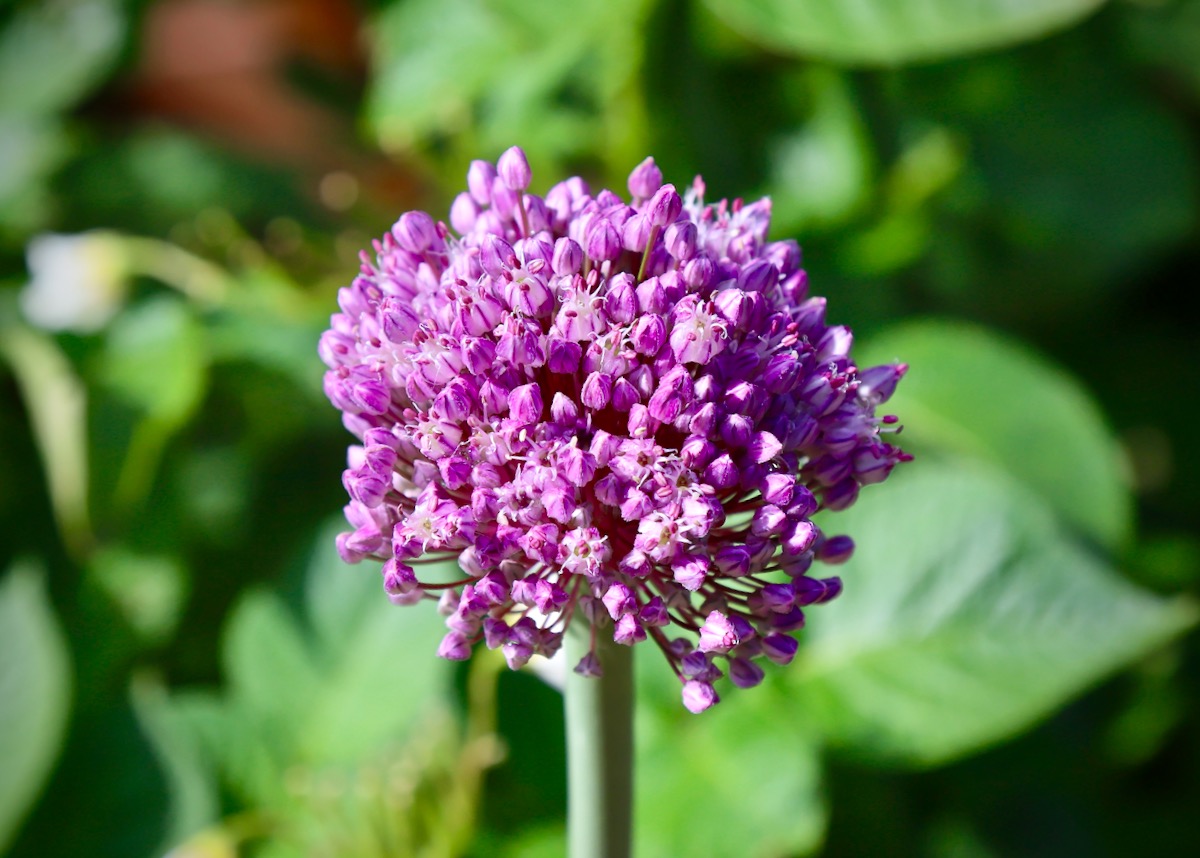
599, 714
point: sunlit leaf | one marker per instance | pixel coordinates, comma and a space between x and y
966, 617
743, 778
35, 692
379, 664
968, 391
557, 78
888, 32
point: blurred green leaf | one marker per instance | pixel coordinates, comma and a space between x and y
971, 392
743, 778
31, 148
149, 590
379, 665
1076, 175
966, 618
884, 32
191, 779
821, 173
35, 693
54, 52
269, 665
567, 72
57, 403
155, 358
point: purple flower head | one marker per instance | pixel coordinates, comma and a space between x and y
619, 413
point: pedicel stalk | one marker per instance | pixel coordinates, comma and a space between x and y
619, 419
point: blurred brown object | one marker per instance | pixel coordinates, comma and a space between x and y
221, 69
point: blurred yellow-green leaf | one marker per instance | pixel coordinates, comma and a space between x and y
35, 692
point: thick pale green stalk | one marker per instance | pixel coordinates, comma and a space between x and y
599, 715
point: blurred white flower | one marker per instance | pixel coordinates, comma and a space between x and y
77, 282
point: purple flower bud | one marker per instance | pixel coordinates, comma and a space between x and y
835, 550
780, 649
517, 655
744, 673
564, 356
697, 452
497, 256
835, 343
641, 424
495, 632
568, 257
463, 213
414, 232
878, 383
654, 613
778, 489
699, 696
768, 520
562, 410
649, 334
842, 496
690, 571
454, 647
680, 240
756, 276
621, 302
604, 445
664, 207
624, 395
597, 390
603, 241
721, 472
717, 634
618, 599
589, 665
791, 621
803, 503
733, 560
798, 537
525, 403
635, 564
398, 578
699, 273
627, 631
480, 178
513, 168
816, 591
645, 179
635, 234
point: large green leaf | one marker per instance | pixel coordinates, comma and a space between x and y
55, 52
555, 77
191, 779
270, 666
56, 401
379, 665
35, 692
891, 32
970, 392
155, 358
966, 617
743, 778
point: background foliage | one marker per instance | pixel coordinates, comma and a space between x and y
1002, 194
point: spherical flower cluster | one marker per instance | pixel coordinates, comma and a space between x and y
626, 410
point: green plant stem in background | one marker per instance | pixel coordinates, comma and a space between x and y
599, 715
